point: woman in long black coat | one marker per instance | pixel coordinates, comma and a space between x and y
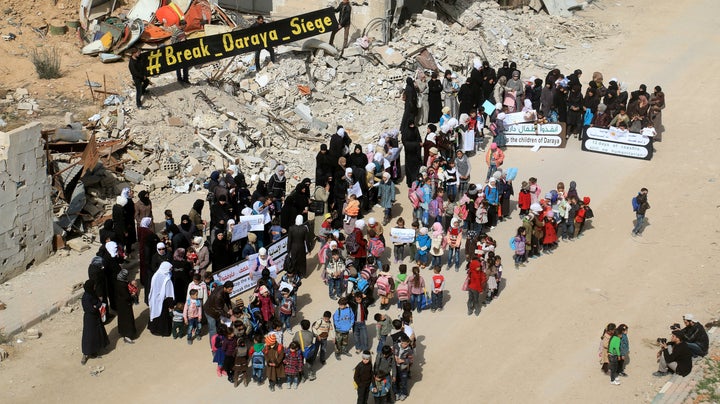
434, 98
111, 262
413, 160
129, 209
298, 247
125, 315
182, 272
94, 337
410, 96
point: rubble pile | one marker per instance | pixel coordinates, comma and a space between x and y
281, 115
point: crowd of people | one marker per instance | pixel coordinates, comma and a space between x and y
452, 220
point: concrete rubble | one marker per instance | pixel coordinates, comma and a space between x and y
232, 115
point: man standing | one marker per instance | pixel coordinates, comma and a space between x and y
640, 206
675, 355
695, 335
138, 76
345, 10
218, 305
259, 21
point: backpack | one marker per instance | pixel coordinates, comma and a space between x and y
635, 204
376, 247
362, 284
512, 243
351, 244
553, 196
367, 272
414, 198
258, 360
403, 291
310, 349
383, 286
286, 307
433, 208
588, 213
461, 211
253, 318
436, 245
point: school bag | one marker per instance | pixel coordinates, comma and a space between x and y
286, 307
258, 360
383, 286
367, 272
362, 284
512, 243
309, 351
351, 244
433, 208
415, 194
376, 247
254, 321
403, 291
635, 204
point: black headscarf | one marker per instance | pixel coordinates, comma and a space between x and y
89, 287
144, 197
198, 205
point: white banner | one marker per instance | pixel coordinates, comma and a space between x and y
243, 275
256, 222
398, 235
240, 230
519, 117
620, 149
532, 129
533, 140
618, 135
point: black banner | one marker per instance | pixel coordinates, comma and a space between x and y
215, 47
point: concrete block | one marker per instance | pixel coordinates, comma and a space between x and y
133, 176
304, 112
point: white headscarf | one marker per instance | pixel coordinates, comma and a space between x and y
528, 106
263, 252
341, 132
476, 63
299, 220
158, 246
160, 288
125, 192
146, 222
112, 248
121, 200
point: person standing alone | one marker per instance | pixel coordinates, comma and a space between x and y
344, 10
138, 76
259, 21
640, 206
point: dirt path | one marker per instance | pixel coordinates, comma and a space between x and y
538, 342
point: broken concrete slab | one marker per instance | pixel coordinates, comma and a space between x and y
304, 112
388, 56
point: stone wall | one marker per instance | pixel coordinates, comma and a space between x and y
26, 227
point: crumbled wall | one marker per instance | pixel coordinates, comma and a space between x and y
26, 227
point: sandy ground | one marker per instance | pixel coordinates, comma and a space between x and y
538, 342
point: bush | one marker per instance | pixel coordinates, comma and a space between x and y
47, 63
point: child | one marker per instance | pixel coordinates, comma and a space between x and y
240, 369
438, 283
277, 331
380, 388
293, 365
376, 246
498, 276
276, 231
287, 307
437, 244
274, 356
322, 328
192, 316
191, 256
550, 232
133, 289
325, 230
199, 286
404, 359
541, 119
335, 273
423, 247
451, 180
178, 324
519, 242
385, 287
416, 284
399, 248
229, 347
453, 239
169, 222
413, 247
384, 327
257, 359
218, 353
210, 283
580, 218
352, 208
524, 199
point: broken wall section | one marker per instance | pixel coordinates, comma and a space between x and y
26, 227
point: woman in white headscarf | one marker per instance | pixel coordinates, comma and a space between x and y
162, 296
111, 264
298, 247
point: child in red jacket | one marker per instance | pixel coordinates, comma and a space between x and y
524, 199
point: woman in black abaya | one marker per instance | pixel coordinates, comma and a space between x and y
94, 337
